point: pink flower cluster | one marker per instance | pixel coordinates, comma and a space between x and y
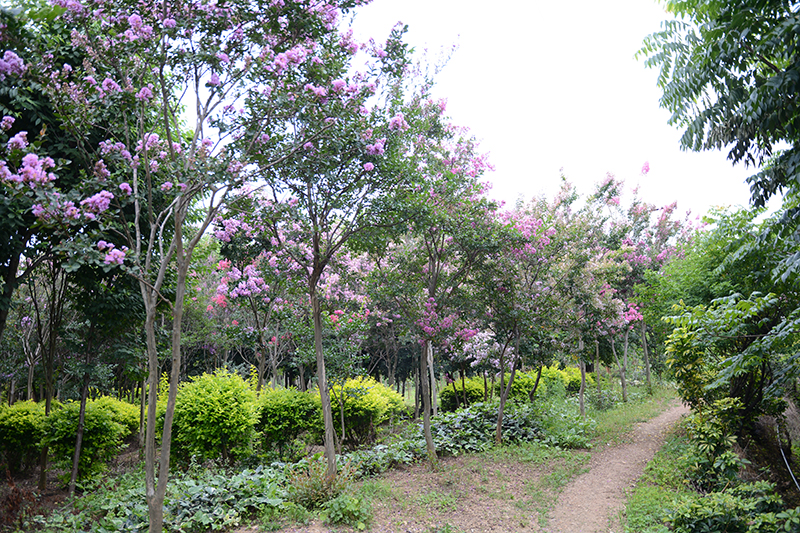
114, 256
398, 122
32, 172
11, 64
377, 148
96, 203
6, 123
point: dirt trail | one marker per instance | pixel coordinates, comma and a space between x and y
591, 502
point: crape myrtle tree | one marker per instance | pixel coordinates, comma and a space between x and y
346, 182
196, 89
517, 292
454, 229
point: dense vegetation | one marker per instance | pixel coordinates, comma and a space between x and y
315, 262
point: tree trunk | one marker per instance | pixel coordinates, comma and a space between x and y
646, 357
532, 393
417, 390
621, 372
322, 383
426, 406
498, 436
433, 390
597, 367
79, 436
582, 391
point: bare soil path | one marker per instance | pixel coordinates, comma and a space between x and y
591, 502
501, 493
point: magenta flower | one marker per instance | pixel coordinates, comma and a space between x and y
18, 141
6, 123
398, 122
167, 185
169, 23
110, 86
126, 188
11, 63
645, 168
145, 93
214, 80
369, 167
97, 203
114, 257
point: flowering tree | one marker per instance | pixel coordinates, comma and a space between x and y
244, 72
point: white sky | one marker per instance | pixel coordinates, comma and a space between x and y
551, 85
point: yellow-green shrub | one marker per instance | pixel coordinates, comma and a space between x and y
122, 412
21, 432
102, 437
523, 385
214, 417
284, 414
367, 404
475, 393
570, 377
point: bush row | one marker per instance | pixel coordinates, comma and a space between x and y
217, 417
554, 381
24, 430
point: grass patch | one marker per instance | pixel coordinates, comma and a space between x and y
614, 425
660, 489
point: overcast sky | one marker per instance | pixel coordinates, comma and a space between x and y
552, 85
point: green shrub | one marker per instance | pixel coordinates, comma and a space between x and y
284, 414
749, 508
348, 510
21, 432
367, 404
123, 413
570, 377
310, 487
214, 417
102, 437
475, 393
523, 385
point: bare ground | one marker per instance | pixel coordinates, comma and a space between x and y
498, 493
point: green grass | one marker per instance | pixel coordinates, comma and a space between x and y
614, 425
659, 490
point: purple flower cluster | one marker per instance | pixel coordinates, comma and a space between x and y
11, 64
32, 172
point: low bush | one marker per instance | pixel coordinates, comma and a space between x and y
348, 510
523, 385
570, 377
475, 392
102, 437
123, 413
748, 508
311, 488
214, 417
284, 414
367, 404
21, 432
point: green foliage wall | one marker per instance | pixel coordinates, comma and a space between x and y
284, 414
475, 393
21, 432
367, 404
214, 417
102, 437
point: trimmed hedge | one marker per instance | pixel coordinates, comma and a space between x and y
367, 404
284, 414
475, 393
21, 432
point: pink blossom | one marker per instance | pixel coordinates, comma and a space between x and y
369, 167
135, 21
97, 203
223, 57
645, 168
126, 188
214, 80
377, 148
167, 185
114, 257
398, 122
18, 141
169, 23
308, 146
6, 123
145, 93
338, 85
11, 64
110, 86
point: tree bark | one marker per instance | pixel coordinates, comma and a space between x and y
322, 383
646, 357
79, 435
426, 407
621, 372
433, 390
581, 392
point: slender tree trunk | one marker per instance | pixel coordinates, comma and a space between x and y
426, 407
504, 392
646, 357
322, 383
532, 393
597, 366
463, 384
79, 436
582, 390
417, 390
455, 394
485, 387
621, 372
433, 390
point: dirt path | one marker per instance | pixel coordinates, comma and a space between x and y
591, 502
